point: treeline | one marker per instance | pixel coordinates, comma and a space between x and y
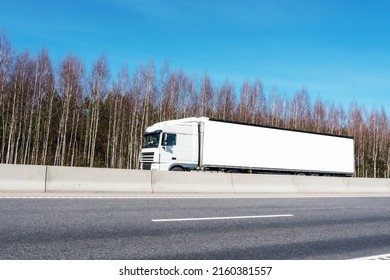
63, 115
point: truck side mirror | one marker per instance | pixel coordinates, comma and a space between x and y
165, 140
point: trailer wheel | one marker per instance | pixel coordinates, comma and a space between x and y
177, 168
232, 171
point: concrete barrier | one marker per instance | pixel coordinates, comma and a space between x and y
251, 183
76, 179
191, 182
368, 185
316, 184
30, 178
22, 178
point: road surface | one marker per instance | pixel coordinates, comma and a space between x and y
194, 228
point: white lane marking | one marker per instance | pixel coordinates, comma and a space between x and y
221, 218
377, 257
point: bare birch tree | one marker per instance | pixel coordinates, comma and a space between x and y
276, 109
207, 97
97, 87
5, 69
21, 93
70, 88
357, 128
225, 106
319, 116
243, 107
258, 103
300, 111
116, 133
43, 92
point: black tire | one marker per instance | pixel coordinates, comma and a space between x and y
177, 168
232, 171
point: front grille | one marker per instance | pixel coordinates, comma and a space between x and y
146, 166
147, 157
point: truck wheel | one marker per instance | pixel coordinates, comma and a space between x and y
177, 168
232, 171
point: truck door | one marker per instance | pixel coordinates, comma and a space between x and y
169, 151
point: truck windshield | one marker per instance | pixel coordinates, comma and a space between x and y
151, 140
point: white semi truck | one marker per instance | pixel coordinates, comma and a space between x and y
215, 145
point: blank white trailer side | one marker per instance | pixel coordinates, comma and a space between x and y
228, 145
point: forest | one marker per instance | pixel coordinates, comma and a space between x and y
65, 115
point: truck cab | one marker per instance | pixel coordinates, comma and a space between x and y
171, 145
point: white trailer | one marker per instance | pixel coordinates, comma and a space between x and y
211, 144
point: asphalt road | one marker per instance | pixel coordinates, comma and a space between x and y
194, 228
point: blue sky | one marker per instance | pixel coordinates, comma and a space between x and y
338, 50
